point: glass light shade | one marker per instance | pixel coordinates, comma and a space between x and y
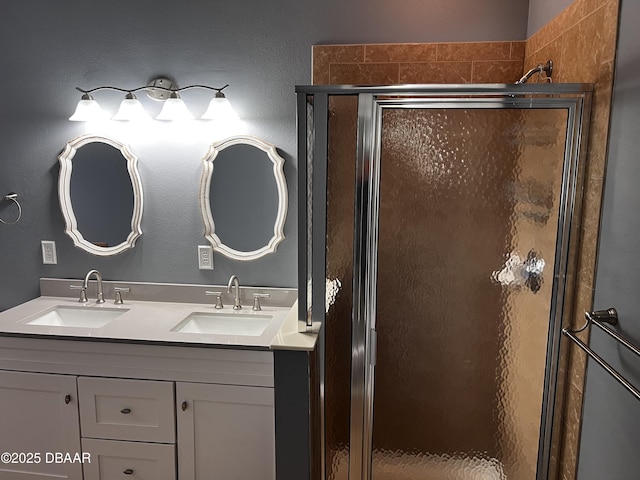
174, 109
131, 110
220, 109
87, 110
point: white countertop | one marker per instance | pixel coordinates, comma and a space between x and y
152, 322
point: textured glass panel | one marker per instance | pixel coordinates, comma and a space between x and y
310, 138
343, 116
469, 202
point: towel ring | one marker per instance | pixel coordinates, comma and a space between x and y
11, 197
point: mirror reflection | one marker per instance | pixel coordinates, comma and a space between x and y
243, 197
100, 195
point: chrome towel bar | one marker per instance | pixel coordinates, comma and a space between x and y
600, 318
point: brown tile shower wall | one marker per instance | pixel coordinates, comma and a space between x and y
581, 41
392, 64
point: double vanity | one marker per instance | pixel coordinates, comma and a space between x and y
101, 380
158, 382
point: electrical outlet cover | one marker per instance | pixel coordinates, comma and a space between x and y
49, 255
205, 257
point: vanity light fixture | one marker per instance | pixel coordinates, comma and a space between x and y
174, 109
131, 110
219, 109
162, 89
87, 109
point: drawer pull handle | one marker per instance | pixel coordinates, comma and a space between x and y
67, 399
184, 406
125, 411
128, 471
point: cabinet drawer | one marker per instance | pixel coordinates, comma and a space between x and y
111, 459
120, 409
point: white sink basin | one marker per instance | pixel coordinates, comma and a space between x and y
236, 323
80, 317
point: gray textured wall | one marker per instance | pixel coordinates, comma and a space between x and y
609, 445
541, 11
261, 47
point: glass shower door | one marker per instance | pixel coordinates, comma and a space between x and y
468, 215
439, 231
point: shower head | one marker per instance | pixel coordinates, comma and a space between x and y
547, 69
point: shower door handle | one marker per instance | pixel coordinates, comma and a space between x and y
373, 343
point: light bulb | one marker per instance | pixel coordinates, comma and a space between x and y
131, 110
87, 110
174, 109
220, 109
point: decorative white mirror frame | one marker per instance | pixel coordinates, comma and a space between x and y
205, 206
64, 194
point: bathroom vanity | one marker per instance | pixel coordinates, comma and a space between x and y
142, 395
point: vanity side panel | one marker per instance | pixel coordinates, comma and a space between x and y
293, 414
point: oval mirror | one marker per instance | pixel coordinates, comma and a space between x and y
100, 195
243, 197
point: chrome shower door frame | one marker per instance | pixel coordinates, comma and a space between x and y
372, 101
365, 271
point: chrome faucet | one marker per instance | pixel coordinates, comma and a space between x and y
85, 285
233, 281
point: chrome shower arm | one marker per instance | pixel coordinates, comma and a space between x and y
546, 68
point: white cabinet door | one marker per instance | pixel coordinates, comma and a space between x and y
225, 432
39, 419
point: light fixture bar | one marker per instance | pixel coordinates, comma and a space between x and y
163, 89
149, 87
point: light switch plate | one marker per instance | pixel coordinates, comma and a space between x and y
49, 255
205, 257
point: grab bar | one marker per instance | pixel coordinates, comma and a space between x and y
599, 318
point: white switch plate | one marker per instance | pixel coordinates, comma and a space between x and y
49, 255
205, 257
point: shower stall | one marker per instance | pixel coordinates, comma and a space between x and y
438, 232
